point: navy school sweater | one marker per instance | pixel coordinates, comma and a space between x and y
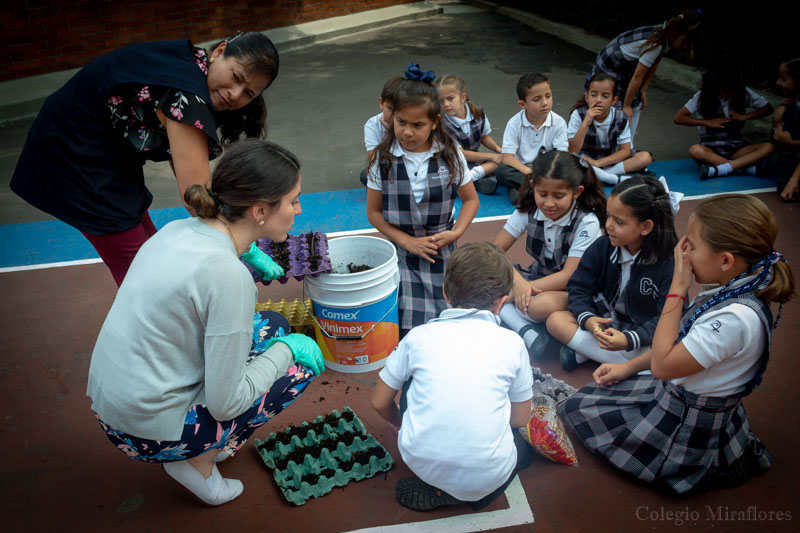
599, 272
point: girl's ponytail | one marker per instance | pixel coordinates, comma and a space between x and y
781, 284
476, 111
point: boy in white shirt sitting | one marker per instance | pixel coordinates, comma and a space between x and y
472, 383
375, 127
533, 130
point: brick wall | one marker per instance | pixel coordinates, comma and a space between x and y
42, 36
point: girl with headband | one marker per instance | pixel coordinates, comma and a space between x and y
415, 175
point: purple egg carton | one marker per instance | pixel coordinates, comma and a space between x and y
299, 256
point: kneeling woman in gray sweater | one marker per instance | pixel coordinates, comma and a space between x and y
182, 372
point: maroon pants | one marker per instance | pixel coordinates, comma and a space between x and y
117, 250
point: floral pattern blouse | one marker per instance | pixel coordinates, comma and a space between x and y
132, 112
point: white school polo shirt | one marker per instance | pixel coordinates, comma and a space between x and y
522, 139
728, 344
466, 371
463, 123
373, 132
585, 234
417, 168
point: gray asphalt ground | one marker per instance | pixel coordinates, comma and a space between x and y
325, 92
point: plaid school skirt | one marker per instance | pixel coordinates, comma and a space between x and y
659, 432
421, 297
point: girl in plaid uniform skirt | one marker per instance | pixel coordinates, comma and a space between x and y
633, 57
720, 110
469, 126
600, 134
685, 426
562, 208
415, 175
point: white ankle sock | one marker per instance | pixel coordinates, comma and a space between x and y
477, 173
516, 320
617, 168
606, 176
722, 170
215, 490
585, 346
221, 456
751, 170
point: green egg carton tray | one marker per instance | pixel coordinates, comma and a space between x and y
311, 459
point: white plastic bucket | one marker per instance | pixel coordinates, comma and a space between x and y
359, 310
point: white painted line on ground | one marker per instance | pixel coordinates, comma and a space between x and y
751, 191
518, 513
347, 233
51, 265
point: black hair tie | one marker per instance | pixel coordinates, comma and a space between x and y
214, 197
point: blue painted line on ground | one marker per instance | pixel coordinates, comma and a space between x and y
36, 243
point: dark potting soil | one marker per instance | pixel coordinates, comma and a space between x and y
347, 465
328, 472
332, 420
280, 254
348, 415
310, 478
353, 268
314, 258
348, 438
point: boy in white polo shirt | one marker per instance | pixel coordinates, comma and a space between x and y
472, 383
535, 129
375, 127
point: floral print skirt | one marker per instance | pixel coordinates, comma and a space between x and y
201, 432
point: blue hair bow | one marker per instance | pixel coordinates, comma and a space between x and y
413, 72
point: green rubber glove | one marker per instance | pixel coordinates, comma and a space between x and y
305, 351
262, 263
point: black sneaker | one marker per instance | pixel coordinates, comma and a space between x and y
704, 172
417, 495
486, 186
568, 359
513, 195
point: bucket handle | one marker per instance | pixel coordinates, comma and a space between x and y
346, 337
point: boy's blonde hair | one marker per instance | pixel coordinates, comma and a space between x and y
476, 275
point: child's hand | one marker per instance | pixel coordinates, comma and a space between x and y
629, 112
611, 373
589, 160
611, 339
497, 158
718, 123
596, 324
421, 246
738, 116
682, 275
790, 191
782, 136
591, 114
521, 294
444, 238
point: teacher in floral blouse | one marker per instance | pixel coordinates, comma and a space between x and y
159, 101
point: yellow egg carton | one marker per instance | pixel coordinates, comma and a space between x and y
294, 312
